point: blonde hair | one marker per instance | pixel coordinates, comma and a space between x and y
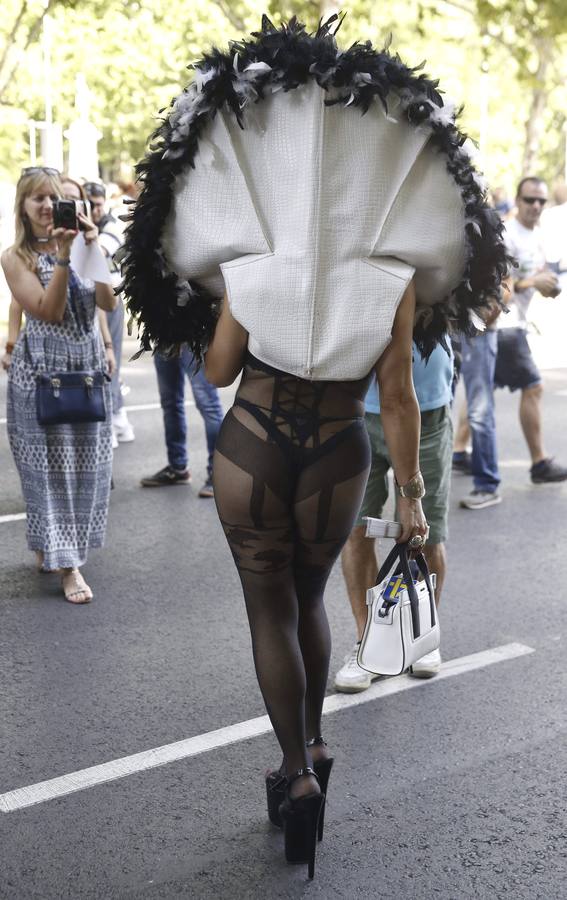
25, 187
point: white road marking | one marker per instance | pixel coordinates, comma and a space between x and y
242, 731
142, 407
514, 463
136, 407
15, 517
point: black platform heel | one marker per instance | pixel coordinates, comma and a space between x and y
276, 782
300, 817
275, 796
322, 771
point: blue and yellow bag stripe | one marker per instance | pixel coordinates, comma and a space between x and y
395, 585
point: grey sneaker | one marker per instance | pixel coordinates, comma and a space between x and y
480, 499
166, 476
352, 678
428, 666
207, 490
547, 472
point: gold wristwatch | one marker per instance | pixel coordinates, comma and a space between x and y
414, 489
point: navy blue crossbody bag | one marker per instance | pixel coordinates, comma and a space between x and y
68, 397
64, 398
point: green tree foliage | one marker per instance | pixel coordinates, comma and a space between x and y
505, 59
532, 34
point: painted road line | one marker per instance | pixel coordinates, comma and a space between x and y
142, 407
139, 407
15, 517
242, 731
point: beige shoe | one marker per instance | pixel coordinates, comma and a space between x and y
75, 587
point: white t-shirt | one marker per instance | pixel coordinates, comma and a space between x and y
110, 240
554, 233
526, 245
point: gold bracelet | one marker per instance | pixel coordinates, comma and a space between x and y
414, 489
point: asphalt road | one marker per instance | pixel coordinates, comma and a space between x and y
454, 789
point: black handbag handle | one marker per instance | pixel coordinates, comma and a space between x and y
399, 552
424, 569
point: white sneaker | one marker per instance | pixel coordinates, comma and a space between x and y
428, 666
352, 678
122, 427
125, 435
480, 499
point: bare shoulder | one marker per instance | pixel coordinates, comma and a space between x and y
8, 259
24, 284
12, 263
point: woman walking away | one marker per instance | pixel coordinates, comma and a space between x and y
325, 238
65, 469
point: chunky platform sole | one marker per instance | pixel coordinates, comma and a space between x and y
301, 819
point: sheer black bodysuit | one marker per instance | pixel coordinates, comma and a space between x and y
290, 469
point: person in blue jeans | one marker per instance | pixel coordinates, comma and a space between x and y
478, 363
171, 374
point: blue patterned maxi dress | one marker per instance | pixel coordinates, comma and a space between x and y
65, 470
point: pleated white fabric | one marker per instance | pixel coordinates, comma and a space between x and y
315, 218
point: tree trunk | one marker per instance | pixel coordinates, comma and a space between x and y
6, 74
539, 95
11, 39
233, 17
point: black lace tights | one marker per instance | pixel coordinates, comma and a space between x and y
290, 469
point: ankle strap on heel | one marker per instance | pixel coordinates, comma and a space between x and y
316, 742
300, 774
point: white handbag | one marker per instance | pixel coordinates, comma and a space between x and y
402, 623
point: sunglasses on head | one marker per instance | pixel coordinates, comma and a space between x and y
532, 200
37, 170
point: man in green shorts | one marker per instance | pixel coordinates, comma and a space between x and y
433, 382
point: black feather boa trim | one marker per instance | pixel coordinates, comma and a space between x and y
172, 312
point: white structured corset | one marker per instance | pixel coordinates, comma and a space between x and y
315, 218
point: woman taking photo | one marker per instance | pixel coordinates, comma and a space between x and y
332, 237
65, 470
72, 190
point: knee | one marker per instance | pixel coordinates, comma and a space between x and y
171, 404
357, 546
534, 392
481, 409
205, 399
436, 557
